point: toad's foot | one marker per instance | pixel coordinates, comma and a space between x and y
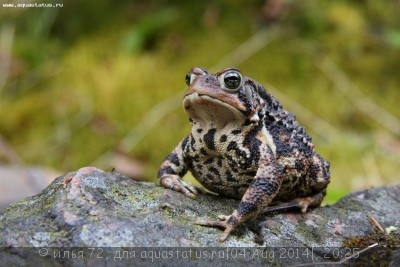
175, 183
226, 223
302, 203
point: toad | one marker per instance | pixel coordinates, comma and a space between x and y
244, 145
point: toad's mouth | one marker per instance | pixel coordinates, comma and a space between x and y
206, 109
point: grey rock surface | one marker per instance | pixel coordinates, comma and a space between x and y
94, 209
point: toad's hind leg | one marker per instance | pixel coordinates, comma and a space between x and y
318, 177
302, 203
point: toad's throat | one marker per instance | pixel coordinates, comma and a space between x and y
206, 109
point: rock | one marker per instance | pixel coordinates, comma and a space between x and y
94, 209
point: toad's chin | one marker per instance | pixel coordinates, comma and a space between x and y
205, 110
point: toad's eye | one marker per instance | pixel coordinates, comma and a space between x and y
232, 80
187, 78
193, 73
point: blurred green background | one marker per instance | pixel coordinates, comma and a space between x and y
100, 82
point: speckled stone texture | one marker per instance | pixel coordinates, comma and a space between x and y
93, 208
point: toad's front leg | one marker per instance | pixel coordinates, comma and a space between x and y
260, 193
173, 168
175, 183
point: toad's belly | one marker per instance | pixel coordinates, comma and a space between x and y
228, 181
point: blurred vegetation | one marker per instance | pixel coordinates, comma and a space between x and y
81, 82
